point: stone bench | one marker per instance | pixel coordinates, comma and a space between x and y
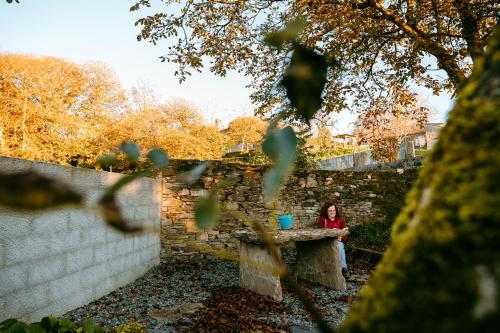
318, 259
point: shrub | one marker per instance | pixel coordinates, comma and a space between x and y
131, 327
373, 235
50, 325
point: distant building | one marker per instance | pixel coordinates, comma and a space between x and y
240, 148
431, 133
422, 140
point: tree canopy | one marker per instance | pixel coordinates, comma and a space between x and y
246, 130
441, 272
381, 46
52, 109
58, 111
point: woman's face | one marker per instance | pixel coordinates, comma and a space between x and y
332, 212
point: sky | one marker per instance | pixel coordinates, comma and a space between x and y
103, 30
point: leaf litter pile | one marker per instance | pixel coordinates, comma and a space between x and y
234, 310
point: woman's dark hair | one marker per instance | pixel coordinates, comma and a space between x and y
324, 209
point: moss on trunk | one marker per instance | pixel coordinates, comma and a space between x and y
442, 271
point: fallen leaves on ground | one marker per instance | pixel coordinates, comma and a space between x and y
234, 310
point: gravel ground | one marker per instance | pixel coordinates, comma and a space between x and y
170, 294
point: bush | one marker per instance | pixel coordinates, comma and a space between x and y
50, 325
131, 327
373, 235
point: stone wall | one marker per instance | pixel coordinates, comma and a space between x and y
58, 260
364, 197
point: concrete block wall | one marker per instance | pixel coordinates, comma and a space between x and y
54, 261
357, 161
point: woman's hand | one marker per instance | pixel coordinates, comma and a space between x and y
345, 231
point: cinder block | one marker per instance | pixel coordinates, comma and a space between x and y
109, 178
37, 315
83, 218
2, 252
86, 177
46, 270
66, 287
124, 246
62, 242
50, 222
79, 259
104, 252
103, 288
13, 224
141, 213
56, 171
20, 304
140, 241
25, 249
92, 236
13, 278
93, 275
113, 235
3, 316
61, 306
150, 254
92, 196
14, 165
122, 278
118, 265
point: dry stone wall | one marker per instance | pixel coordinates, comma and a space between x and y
364, 197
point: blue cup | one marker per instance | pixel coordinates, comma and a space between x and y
285, 221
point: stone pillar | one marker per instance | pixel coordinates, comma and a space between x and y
256, 264
319, 261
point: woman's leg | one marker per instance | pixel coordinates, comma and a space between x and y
342, 254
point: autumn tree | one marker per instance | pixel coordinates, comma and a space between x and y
52, 109
380, 47
385, 132
441, 272
177, 127
323, 146
189, 137
246, 130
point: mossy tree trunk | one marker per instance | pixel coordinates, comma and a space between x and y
442, 272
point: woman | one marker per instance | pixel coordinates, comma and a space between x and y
330, 218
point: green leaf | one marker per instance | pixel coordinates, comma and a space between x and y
192, 175
207, 212
49, 324
305, 80
292, 29
18, 327
107, 160
272, 181
280, 146
35, 328
110, 209
88, 326
158, 157
113, 216
287, 144
270, 146
130, 149
30, 190
66, 325
4, 325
